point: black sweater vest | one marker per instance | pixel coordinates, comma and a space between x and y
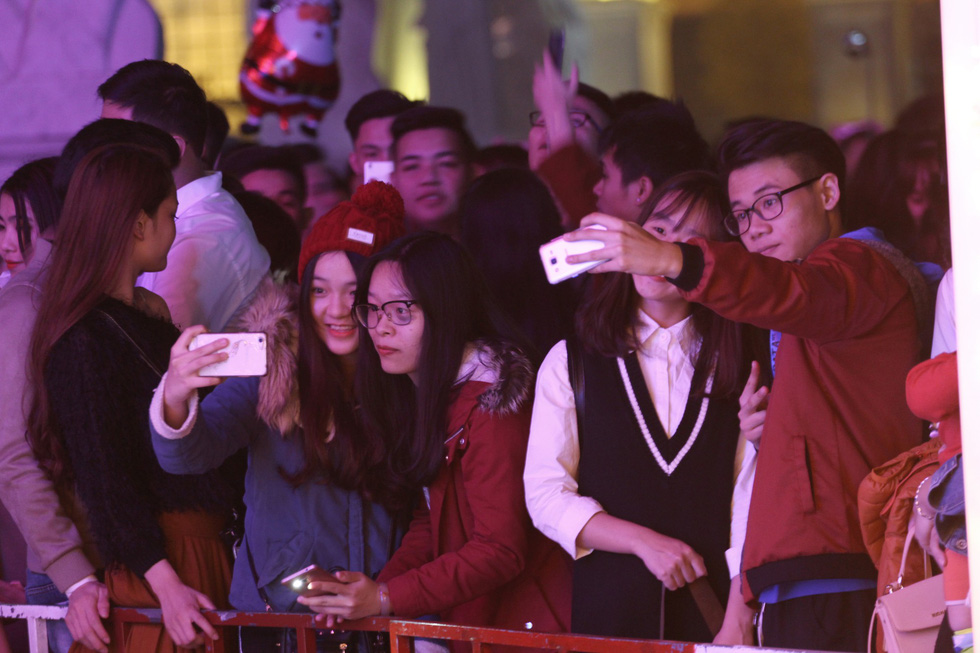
614, 594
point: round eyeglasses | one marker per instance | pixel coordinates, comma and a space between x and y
768, 207
398, 312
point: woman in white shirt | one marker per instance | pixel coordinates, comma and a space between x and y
637, 483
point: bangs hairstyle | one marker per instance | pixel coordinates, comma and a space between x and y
326, 402
111, 188
606, 321
32, 185
450, 291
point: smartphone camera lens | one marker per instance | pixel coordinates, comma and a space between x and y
554, 261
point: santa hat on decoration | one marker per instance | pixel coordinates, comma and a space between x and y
363, 225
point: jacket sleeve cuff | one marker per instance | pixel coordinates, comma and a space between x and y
69, 569
692, 268
156, 414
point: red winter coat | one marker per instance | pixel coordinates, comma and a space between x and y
472, 555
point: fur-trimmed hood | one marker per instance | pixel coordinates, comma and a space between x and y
508, 371
272, 311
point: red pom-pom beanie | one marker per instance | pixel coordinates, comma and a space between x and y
364, 224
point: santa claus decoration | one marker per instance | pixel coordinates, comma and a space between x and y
290, 68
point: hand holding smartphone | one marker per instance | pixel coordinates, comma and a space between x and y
247, 354
553, 254
299, 582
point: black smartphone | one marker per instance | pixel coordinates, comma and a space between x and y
556, 46
300, 581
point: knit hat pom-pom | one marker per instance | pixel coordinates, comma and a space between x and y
380, 200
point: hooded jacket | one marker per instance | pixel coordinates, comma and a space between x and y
286, 527
471, 554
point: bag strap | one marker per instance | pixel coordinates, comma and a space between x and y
255, 576
146, 359
708, 604
897, 585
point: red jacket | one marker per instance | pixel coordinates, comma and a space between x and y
837, 406
571, 173
472, 555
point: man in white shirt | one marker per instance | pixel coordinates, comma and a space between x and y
216, 262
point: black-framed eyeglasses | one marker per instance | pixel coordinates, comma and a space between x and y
577, 118
768, 207
398, 312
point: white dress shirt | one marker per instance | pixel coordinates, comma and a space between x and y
551, 470
215, 263
944, 330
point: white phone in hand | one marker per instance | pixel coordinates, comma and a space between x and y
247, 354
553, 255
378, 171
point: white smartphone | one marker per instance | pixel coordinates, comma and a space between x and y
378, 171
246, 354
553, 255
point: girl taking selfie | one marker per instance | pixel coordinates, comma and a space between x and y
308, 459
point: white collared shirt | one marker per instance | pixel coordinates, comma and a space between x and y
551, 470
215, 263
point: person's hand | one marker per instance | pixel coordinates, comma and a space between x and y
674, 563
353, 596
88, 605
753, 403
737, 628
628, 247
180, 606
12, 592
182, 373
553, 97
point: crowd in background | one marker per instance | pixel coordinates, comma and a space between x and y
671, 445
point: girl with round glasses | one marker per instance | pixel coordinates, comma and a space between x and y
308, 485
634, 443
447, 386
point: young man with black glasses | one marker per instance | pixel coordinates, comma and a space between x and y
844, 323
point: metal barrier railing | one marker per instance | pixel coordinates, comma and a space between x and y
401, 632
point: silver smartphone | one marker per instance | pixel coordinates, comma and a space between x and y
553, 254
247, 355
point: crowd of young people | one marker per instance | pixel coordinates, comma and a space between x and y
654, 449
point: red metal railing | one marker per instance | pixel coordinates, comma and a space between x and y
403, 632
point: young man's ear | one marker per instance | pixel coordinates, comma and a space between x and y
181, 143
644, 190
829, 187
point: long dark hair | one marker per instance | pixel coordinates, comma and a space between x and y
606, 320
880, 185
31, 184
448, 287
506, 215
110, 188
326, 400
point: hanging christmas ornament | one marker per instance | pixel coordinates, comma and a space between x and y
290, 67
